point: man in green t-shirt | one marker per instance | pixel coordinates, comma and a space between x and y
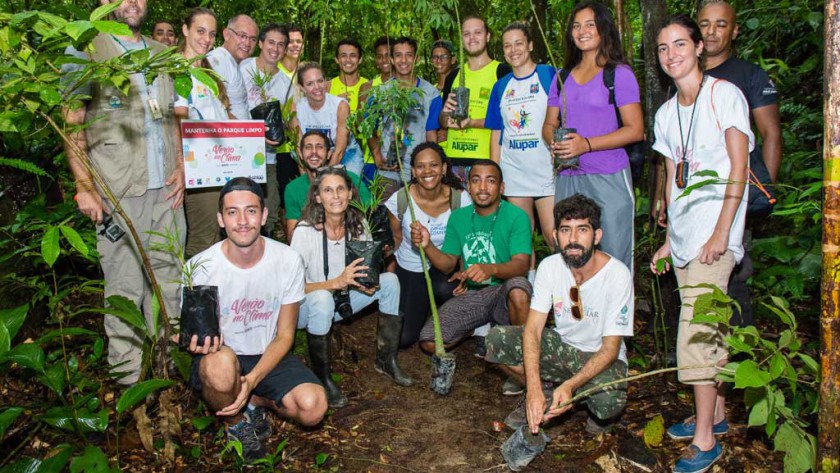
315, 149
492, 240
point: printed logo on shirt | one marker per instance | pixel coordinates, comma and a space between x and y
478, 248
558, 304
484, 93
623, 317
463, 146
520, 119
247, 311
510, 94
770, 89
524, 144
535, 87
202, 92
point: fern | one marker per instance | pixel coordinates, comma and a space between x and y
23, 166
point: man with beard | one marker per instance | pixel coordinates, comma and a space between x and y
133, 142
240, 41
250, 367
315, 150
164, 32
492, 240
592, 297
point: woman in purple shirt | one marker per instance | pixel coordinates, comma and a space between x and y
593, 51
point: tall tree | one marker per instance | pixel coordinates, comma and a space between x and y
829, 418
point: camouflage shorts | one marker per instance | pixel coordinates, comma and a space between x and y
559, 362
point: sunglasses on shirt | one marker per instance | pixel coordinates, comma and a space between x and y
577, 306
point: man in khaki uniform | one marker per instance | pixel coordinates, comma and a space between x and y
133, 143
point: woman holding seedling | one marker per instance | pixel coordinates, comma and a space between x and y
199, 32
704, 128
593, 112
516, 113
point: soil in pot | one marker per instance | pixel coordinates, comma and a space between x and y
462, 105
443, 372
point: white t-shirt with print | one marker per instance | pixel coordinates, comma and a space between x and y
276, 89
202, 103
607, 300
692, 219
250, 299
408, 256
224, 64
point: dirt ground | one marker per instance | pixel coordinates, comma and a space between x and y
388, 428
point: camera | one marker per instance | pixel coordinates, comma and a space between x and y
111, 230
342, 303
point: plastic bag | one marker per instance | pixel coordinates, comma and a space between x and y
371, 253
380, 226
199, 314
272, 114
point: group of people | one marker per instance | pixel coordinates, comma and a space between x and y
539, 144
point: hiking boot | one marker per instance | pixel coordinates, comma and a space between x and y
685, 430
595, 426
519, 416
480, 347
261, 421
522, 447
512, 387
243, 431
694, 460
387, 344
319, 358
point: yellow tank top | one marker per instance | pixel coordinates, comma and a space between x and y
473, 143
350, 93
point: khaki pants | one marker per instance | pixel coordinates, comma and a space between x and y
124, 274
203, 230
700, 344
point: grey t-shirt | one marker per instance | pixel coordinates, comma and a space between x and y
414, 128
152, 130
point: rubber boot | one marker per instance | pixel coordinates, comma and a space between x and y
319, 358
387, 345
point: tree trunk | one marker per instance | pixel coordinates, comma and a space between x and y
540, 53
624, 31
829, 417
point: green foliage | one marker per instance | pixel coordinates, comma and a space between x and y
779, 379
654, 431
133, 395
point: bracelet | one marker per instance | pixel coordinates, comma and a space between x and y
588, 144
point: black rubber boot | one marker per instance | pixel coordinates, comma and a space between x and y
319, 358
387, 344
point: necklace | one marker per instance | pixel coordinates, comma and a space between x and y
684, 143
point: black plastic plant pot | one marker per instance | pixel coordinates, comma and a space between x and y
371, 253
380, 226
391, 155
272, 114
443, 372
562, 134
199, 314
462, 104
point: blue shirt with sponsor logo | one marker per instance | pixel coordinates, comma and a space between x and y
517, 108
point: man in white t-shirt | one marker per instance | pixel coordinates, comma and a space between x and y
591, 294
240, 42
250, 367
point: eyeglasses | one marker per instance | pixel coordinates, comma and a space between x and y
244, 36
324, 169
577, 306
440, 57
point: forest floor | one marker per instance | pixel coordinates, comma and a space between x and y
388, 428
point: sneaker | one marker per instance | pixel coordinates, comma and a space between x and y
243, 431
519, 416
522, 447
480, 347
694, 460
512, 387
685, 430
598, 426
261, 422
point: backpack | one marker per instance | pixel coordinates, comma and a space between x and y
635, 151
402, 201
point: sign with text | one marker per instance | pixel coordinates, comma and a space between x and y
216, 152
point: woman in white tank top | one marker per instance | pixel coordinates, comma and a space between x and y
318, 110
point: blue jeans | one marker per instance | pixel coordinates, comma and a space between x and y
317, 313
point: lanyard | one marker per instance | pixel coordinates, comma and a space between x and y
690, 122
145, 46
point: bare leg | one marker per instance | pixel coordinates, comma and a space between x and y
720, 403
305, 404
518, 306
545, 209
517, 372
219, 373
704, 405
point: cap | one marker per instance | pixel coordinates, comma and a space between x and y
241, 184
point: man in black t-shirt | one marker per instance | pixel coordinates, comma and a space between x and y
718, 24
